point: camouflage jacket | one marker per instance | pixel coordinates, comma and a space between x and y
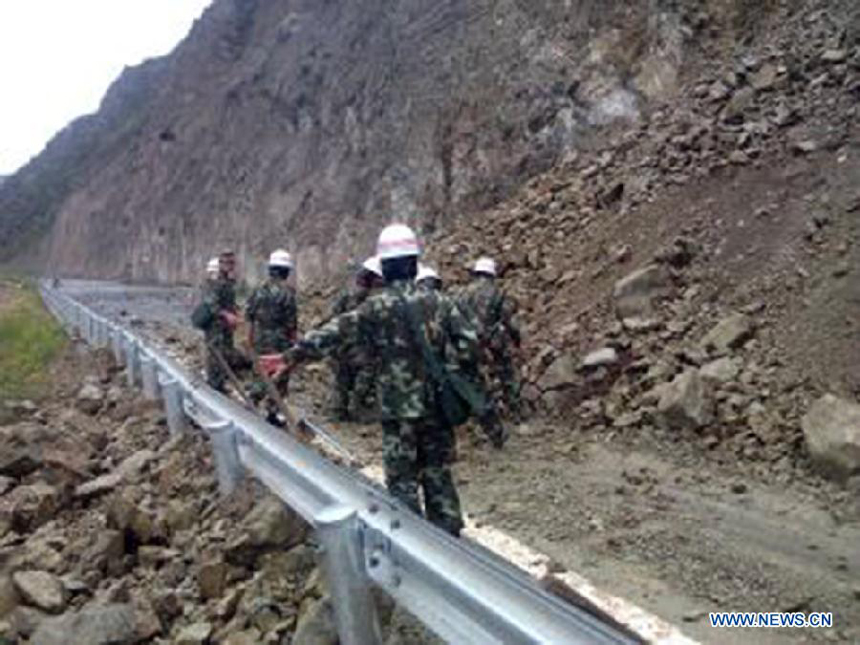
349, 299
219, 295
273, 310
491, 312
381, 325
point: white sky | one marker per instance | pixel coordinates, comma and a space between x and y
58, 57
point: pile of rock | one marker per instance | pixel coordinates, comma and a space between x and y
111, 532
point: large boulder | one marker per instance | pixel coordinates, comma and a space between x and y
729, 334
112, 624
685, 403
41, 590
270, 525
832, 431
636, 294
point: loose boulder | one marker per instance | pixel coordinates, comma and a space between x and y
685, 403
722, 370
112, 624
636, 294
561, 373
316, 625
832, 431
600, 358
90, 398
731, 333
41, 590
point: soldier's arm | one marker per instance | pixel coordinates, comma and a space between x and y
462, 336
324, 341
511, 321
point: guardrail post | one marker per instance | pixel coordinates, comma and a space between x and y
173, 405
116, 345
343, 562
149, 376
103, 333
225, 445
132, 363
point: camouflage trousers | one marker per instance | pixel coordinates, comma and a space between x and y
259, 391
502, 371
216, 376
419, 453
355, 391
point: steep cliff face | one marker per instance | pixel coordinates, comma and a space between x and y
308, 123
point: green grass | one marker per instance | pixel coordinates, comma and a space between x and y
29, 339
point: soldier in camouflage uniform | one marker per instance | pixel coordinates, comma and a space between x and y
272, 315
418, 443
217, 316
494, 317
355, 368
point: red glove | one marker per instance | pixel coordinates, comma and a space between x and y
230, 319
272, 364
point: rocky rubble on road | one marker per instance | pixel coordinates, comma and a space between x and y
652, 246
113, 532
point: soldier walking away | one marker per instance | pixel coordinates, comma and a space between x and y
414, 335
217, 316
355, 368
493, 315
272, 315
428, 278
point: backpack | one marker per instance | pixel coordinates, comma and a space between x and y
458, 398
202, 316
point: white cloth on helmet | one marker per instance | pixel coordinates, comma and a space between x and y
281, 258
426, 273
373, 265
486, 266
397, 241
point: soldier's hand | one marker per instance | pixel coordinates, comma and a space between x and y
273, 364
230, 319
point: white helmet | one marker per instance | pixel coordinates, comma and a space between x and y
426, 273
485, 265
281, 258
213, 267
373, 265
397, 241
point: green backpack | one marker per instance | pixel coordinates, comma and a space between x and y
202, 317
458, 398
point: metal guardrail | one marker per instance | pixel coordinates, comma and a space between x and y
462, 592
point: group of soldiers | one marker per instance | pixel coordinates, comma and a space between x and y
407, 354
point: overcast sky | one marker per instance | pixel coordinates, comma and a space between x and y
58, 57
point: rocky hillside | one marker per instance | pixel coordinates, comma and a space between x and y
694, 276
308, 124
